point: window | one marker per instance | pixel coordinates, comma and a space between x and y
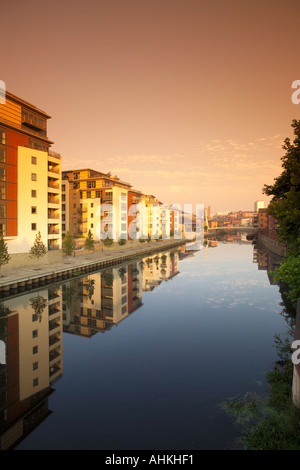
2, 153
63, 207
63, 197
92, 204
35, 365
35, 382
2, 136
3, 229
2, 191
35, 333
2, 210
124, 309
33, 193
92, 225
63, 187
63, 227
92, 215
33, 160
33, 226
34, 317
74, 195
98, 193
74, 206
33, 209
33, 177
88, 194
35, 349
2, 173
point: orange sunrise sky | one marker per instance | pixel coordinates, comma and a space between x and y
189, 100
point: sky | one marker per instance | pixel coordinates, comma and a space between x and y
188, 100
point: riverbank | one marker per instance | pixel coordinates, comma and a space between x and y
272, 245
12, 280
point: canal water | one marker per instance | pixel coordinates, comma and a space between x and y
142, 355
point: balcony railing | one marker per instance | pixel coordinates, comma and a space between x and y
53, 200
53, 169
53, 215
52, 184
53, 247
53, 231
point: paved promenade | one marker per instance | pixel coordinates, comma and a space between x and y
80, 262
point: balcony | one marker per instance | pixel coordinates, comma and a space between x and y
53, 169
53, 231
33, 122
54, 340
53, 200
53, 184
52, 246
108, 199
53, 215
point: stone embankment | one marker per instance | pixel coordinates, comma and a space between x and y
12, 280
271, 245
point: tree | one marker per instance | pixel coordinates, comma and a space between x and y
68, 245
89, 242
38, 249
38, 305
285, 203
108, 242
4, 255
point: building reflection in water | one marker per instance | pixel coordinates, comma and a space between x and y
31, 360
32, 326
269, 261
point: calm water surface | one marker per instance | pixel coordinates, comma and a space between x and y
140, 357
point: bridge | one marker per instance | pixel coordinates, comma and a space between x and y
239, 229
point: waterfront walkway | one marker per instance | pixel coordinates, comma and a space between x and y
31, 276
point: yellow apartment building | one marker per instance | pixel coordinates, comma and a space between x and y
94, 201
29, 180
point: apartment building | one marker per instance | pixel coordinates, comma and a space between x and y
29, 179
31, 330
94, 201
97, 302
159, 267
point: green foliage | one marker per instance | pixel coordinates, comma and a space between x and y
67, 294
121, 272
122, 241
108, 242
39, 248
289, 274
285, 203
38, 304
90, 287
89, 242
273, 422
68, 244
108, 278
4, 255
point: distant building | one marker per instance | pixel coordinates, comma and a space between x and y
258, 205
